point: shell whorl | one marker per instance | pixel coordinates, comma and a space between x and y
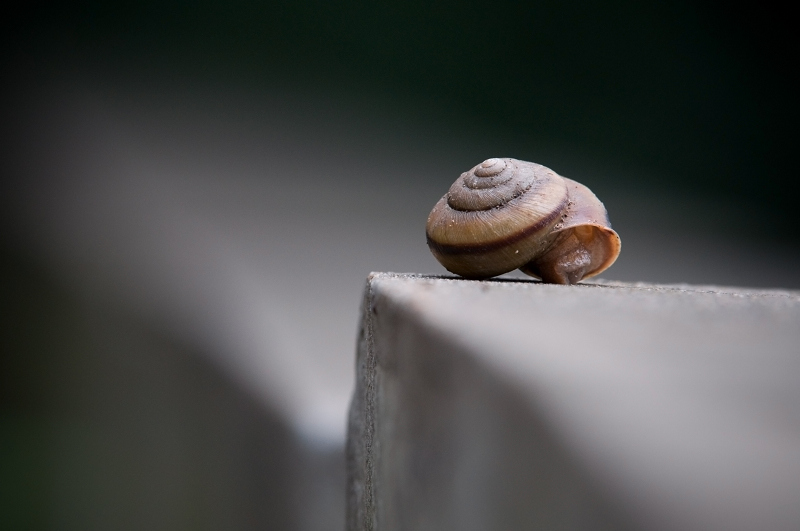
495, 216
506, 214
490, 184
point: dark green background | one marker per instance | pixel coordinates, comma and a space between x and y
696, 98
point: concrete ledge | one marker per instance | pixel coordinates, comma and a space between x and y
517, 405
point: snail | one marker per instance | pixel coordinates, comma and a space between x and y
506, 214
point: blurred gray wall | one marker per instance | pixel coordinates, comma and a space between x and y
109, 425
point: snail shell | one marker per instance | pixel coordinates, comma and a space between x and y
506, 214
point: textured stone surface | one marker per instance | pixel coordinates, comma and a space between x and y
509, 405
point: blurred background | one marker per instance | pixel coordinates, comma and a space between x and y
192, 197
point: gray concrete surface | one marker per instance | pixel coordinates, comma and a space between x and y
517, 405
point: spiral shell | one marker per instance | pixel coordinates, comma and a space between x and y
506, 214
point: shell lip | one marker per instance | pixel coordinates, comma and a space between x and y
612, 246
615, 243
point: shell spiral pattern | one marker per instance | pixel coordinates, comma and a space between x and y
506, 214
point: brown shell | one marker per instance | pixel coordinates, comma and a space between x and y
506, 214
